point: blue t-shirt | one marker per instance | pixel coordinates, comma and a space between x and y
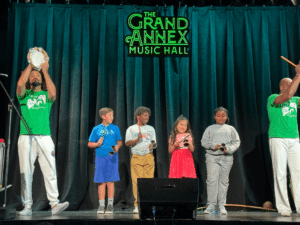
111, 135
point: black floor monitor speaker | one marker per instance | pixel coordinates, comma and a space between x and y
164, 198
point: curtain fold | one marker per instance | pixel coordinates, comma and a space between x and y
234, 61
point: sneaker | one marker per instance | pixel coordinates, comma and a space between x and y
136, 210
109, 209
286, 214
210, 210
101, 209
59, 207
222, 210
25, 212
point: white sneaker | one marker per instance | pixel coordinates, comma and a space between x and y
136, 210
101, 209
58, 208
25, 212
109, 209
210, 210
286, 214
222, 210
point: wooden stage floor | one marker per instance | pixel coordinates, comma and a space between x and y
127, 217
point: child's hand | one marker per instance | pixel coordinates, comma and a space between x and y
150, 147
216, 147
116, 148
176, 144
100, 142
225, 151
140, 135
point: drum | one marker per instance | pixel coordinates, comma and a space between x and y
36, 57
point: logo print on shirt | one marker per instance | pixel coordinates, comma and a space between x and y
35, 103
287, 110
107, 132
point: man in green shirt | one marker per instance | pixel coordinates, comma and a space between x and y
284, 142
35, 104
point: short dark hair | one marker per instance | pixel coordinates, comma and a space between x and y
140, 110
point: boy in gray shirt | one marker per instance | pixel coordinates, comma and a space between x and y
138, 138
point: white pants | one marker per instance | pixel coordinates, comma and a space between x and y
285, 151
30, 147
218, 168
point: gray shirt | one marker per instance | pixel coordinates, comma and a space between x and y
142, 146
218, 134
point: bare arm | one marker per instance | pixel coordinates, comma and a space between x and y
22, 80
95, 144
134, 141
290, 91
49, 83
172, 146
119, 144
191, 146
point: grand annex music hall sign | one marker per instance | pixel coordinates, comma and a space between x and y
157, 36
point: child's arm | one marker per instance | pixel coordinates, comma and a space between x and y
172, 146
191, 146
95, 144
134, 141
206, 140
119, 144
235, 143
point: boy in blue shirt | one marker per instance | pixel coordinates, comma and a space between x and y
103, 137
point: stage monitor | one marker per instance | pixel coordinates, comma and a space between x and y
164, 198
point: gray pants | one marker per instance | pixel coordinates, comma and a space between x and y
218, 168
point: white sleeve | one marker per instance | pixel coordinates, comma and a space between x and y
128, 136
153, 135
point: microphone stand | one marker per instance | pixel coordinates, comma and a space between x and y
6, 213
8, 142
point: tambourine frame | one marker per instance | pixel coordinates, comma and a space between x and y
30, 60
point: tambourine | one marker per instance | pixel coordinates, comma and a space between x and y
36, 57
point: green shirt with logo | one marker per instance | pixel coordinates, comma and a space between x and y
35, 109
283, 118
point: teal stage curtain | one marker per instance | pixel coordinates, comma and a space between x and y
234, 62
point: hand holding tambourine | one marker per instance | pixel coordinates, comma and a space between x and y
36, 57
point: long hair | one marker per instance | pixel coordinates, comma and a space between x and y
221, 109
174, 131
43, 85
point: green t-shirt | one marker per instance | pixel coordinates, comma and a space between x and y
35, 109
283, 118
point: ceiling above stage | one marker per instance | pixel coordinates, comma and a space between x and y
176, 3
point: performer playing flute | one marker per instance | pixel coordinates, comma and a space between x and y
284, 142
36, 93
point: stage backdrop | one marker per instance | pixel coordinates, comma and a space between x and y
234, 62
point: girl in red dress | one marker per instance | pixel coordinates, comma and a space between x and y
181, 146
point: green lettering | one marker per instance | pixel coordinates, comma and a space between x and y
133, 16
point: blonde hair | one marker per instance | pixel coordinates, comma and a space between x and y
104, 111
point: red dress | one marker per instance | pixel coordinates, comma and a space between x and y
182, 163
